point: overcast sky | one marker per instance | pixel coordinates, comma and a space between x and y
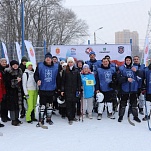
112, 15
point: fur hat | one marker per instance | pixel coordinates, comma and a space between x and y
14, 62
64, 64
24, 59
70, 59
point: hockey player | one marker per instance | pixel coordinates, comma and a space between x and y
129, 89
103, 80
88, 82
46, 77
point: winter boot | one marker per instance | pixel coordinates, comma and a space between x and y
70, 122
141, 111
90, 116
49, 121
75, 120
147, 117
20, 122
2, 125
30, 122
137, 119
99, 116
120, 119
15, 123
111, 116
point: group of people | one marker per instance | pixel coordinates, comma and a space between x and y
74, 88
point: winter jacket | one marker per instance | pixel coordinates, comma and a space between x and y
148, 80
88, 82
71, 83
28, 81
22, 67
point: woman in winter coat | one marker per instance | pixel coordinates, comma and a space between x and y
30, 91
13, 88
70, 88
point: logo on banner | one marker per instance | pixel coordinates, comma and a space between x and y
57, 51
88, 50
31, 52
120, 49
104, 51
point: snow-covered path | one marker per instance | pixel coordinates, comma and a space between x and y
90, 135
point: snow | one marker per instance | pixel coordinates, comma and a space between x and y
90, 135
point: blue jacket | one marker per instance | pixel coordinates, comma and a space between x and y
48, 76
148, 80
105, 77
128, 87
88, 82
141, 70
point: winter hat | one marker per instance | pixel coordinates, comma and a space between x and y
85, 66
28, 63
48, 55
64, 64
92, 52
70, 59
62, 61
80, 61
3, 59
14, 62
24, 59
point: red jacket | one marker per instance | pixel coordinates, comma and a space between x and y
2, 87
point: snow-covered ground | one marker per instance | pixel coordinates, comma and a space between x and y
90, 135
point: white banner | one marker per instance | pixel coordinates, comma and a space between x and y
146, 52
5, 52
81, 52
31, 53
18, 52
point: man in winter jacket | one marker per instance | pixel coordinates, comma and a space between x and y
129, 88
47, 78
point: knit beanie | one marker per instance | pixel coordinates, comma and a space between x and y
48, 55
85, 66
14, 62
70, 59
28, 63
92, 52
24, 59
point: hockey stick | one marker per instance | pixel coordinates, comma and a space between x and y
128, 116
147, 116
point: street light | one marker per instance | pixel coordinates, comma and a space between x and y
95, 34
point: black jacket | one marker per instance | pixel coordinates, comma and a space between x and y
71, 82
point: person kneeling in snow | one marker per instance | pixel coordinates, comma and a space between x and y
30, 91
88, 82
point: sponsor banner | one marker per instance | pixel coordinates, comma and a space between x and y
81, 52
146, 52
31, 53
18, 51
5, 52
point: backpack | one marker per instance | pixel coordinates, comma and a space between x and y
27, 75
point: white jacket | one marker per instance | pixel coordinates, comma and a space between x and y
29, 84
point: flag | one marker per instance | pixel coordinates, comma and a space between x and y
5, 52
31, 52
18, 52
146, 52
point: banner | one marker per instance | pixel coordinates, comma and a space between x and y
5, 52
116, 52
146, 52
18, 52
31, 53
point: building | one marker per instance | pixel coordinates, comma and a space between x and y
123, 37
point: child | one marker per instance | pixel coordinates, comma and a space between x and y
30, 91
88, 82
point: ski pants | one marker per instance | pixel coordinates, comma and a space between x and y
31, 102
87, 105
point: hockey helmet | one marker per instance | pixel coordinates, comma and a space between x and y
99, 97
60, 100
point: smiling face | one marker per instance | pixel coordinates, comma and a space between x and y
15, 66
105, 62
30, 67
3, 63
136, 60
128, 61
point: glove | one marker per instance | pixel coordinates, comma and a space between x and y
27, 97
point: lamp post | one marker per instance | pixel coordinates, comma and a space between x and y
22, 26
95, 34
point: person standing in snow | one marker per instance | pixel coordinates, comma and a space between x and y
103, 80
30, 91
47, 78
128, 78
13, 77
70, 88
88, 82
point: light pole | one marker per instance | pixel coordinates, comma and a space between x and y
95, 34
22, 26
